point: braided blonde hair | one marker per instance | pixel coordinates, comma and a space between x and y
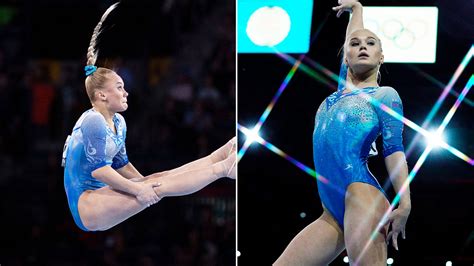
96, 80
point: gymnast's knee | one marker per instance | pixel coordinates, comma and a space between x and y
94, 224
90, 223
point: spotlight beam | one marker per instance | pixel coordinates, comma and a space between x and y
458, 102
310, 72
438, 83
450, 85
467, 58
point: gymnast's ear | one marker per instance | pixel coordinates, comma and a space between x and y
381, 60
99, 94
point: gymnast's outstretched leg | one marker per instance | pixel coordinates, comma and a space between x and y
365, 207
317, 244
104, 208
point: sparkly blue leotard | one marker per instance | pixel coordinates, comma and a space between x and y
346, 125
92, 145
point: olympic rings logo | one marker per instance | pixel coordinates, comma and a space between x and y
402, 35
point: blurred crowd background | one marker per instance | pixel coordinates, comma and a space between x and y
177, 58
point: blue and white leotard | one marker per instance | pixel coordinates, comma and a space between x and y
346, 125
92, 145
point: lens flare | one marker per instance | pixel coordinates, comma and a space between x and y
278, 151
435, 139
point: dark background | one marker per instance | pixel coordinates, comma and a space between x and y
177, 59
273, 192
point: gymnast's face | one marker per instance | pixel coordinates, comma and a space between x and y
114, 94
363, 51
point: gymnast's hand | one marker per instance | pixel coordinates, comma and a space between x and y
147, 195
397, 220
345, 5
224, 151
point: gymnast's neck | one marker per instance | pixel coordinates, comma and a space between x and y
362, 80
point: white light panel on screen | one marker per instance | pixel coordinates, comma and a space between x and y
408, 34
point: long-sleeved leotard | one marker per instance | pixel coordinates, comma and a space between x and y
92, 145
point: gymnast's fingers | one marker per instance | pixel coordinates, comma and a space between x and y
339, 13
389, 235
394, 240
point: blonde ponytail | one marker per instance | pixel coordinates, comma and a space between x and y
96, 77
92, 51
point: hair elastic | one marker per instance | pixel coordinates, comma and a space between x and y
90, 69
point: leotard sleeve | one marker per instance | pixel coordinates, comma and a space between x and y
94, 134
392, 128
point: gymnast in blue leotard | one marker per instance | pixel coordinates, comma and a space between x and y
103, 188
346, 125
91, 146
